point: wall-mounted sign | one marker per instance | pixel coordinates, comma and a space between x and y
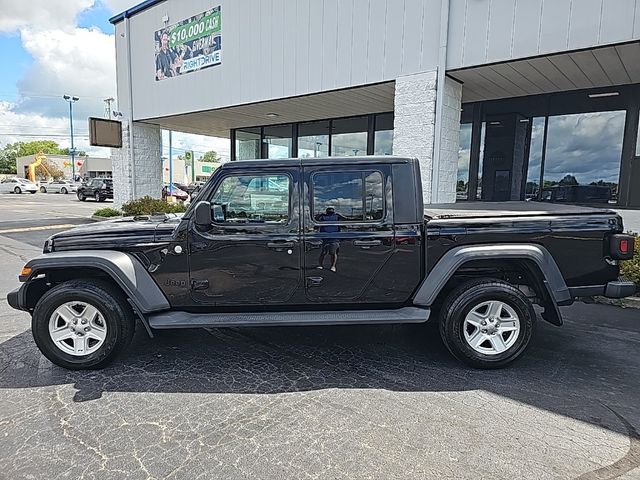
190, 45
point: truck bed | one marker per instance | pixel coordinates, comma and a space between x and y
506, 209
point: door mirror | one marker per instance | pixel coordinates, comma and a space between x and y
203, 214
218, 213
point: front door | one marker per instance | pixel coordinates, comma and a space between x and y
348, 233
251, 253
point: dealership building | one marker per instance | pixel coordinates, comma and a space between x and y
498, 99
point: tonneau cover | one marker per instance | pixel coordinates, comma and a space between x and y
507, 209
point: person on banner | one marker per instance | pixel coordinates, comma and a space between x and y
167, 61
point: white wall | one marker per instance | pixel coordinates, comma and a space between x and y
280, 48
485, 31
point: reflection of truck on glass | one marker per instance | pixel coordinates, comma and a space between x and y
246, 254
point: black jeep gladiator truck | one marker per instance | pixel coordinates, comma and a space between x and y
322, 242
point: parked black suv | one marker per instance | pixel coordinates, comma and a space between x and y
97, 188
322, 242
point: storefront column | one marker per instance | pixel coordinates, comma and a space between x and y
414, 131
414, 123
137, 171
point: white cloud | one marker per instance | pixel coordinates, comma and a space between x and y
50, 14
77, 61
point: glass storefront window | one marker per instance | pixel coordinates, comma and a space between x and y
464, 154
248, 143
532, 187
313, 139
278, 141
582, 162
349, 137
483, 132
383, 138
638, 141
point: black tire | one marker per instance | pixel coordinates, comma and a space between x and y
63, 190
463, 300
33, 192
111, 303
81, 196
43, 190
97, 196
17, 191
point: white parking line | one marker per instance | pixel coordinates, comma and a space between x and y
33, 229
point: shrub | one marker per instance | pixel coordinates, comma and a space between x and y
149, 206
631, 268
107, 212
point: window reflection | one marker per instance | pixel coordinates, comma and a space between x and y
349, 137
343, 192
313, 139
248, 144
278, 141
582, 162
383, 137
464, 153
532, 187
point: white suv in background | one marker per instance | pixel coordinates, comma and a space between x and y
17, 185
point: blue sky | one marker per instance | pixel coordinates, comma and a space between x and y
56, 47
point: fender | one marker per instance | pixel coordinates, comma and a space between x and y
456, 257
124, 269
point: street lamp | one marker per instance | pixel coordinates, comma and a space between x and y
72, 150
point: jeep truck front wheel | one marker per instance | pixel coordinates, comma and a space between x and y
487, 323
82, 324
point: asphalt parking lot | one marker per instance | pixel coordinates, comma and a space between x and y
313, 402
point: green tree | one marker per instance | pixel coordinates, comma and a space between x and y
210, 156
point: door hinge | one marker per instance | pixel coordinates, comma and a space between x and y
199, 284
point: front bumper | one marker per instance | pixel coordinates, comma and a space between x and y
619, 289
16, 299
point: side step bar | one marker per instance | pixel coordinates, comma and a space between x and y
179, 319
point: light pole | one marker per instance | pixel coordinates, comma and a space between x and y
72, 150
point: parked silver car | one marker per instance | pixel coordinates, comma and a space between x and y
59, 186
17, 185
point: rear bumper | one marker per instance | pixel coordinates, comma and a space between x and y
614, 289
619, 289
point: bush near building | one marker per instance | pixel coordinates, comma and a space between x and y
149, 206
107, 212
631, 268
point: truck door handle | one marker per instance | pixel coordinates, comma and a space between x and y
367, 243
314, 281
281, 245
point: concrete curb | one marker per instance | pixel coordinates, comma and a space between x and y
629, 302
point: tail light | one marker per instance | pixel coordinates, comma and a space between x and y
621, 247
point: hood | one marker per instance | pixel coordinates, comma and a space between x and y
118, 233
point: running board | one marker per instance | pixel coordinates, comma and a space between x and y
179, 319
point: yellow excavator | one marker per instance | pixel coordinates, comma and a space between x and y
38, 159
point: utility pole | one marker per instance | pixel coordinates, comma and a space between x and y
72, 151
107, 107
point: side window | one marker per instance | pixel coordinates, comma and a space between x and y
252, 199
348, 196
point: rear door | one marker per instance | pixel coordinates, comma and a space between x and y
251, 253
346, 248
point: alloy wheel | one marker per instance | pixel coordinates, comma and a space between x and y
77, 328
491, 327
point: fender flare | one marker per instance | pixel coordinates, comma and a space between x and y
456, 257
125, 270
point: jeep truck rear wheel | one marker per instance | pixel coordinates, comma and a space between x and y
487, 323
82, 324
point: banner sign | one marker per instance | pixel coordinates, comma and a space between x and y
190, 45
